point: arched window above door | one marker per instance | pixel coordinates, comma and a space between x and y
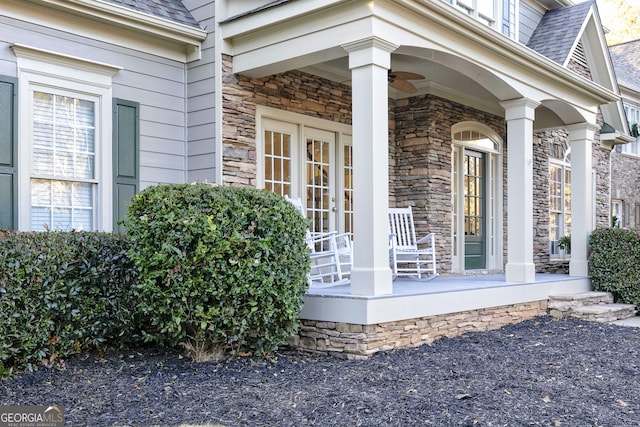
476, 135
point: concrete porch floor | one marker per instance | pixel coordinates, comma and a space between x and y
413, 299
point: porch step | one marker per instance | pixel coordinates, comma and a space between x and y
604, 312
591, 306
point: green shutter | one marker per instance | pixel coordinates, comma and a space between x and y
8, 153
126, 157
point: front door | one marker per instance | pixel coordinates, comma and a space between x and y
474, 210
476, 198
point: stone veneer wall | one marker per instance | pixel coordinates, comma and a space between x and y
546, 144
360, 341
553, 144
294, 91
422, 159
625, 182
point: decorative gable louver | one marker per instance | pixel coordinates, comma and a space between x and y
579, 55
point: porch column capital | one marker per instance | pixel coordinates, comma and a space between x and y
522, 108
372, 50
582, 131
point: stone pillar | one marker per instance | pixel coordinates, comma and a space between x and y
369, 61
520, 114
581, 142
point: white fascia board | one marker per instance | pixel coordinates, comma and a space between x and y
134, 19
234, 27
97, 19
267, 33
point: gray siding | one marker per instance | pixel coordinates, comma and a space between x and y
158, 84
201, 148
529, 20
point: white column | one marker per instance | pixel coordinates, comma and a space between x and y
520, 114
369, 61
581, 142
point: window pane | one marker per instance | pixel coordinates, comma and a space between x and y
42, 134
61, 205
43, 107
40, 218
84, 166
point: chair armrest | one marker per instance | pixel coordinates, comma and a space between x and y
430, 236
392, 240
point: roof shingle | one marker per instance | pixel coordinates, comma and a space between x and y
172, 10
558, 30
626, 62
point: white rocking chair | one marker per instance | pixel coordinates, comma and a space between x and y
330, 253
409, 257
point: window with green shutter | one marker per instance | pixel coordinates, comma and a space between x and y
8, 157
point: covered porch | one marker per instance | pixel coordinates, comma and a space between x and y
482, 79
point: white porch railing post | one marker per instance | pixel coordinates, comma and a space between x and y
369, 61
520, 114
581, 138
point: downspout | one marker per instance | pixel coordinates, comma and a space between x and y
217, 48
186, 122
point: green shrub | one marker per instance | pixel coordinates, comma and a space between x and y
60, 293
614, 263
222, 269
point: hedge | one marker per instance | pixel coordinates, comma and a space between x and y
61, 293
222, 269
614, 263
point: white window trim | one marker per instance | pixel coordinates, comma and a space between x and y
39, 69
633, 115
564, 166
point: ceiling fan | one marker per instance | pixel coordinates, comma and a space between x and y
399, 80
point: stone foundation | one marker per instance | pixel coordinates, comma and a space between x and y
351, 341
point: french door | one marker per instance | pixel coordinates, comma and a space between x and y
315, 165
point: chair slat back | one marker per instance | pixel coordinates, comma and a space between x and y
401, 225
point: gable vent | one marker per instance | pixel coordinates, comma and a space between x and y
579, 55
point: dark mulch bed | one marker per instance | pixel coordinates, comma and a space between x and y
537, 373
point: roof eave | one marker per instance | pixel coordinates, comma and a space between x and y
134, 20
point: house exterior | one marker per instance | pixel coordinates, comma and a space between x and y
625, 159
502, 144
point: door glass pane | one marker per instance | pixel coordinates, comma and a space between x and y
474, 210
348, 189
277, 162
318, 183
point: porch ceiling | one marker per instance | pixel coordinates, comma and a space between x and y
461, 59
